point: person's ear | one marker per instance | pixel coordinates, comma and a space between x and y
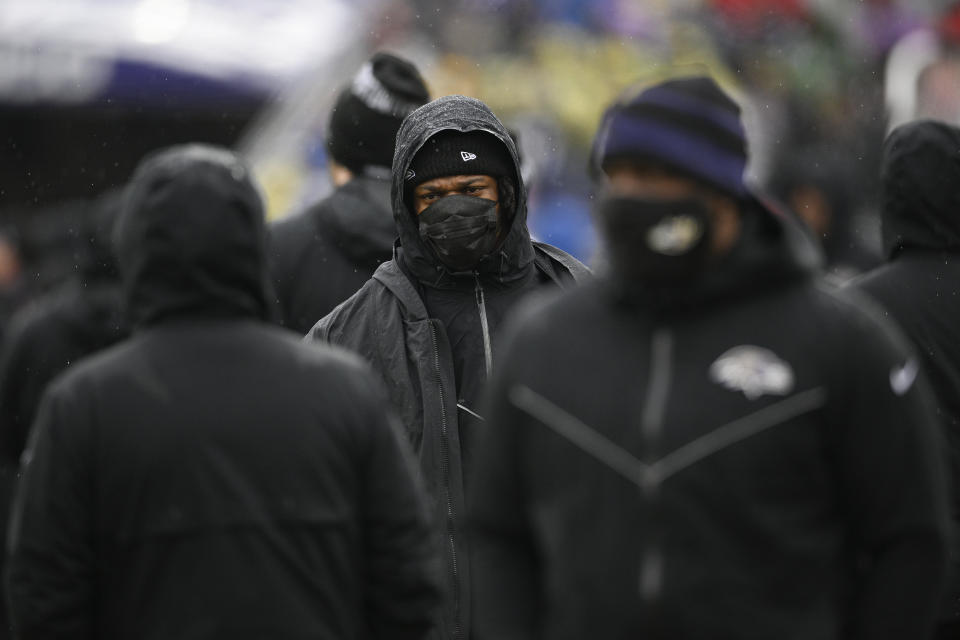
339, 174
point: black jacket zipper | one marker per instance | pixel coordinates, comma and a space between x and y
445, 473
651, 426
484, 325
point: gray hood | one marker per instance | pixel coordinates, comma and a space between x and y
514, 257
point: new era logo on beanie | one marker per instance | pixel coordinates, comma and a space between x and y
452, 153
367, 114
686, 125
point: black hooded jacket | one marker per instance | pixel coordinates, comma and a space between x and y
431, 334
322, 256
74, 320
700, 464
213, 477
919, 286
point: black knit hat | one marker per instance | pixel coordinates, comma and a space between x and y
686, 125
363, 125
455, 153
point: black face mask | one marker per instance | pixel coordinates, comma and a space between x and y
655, 243
460, 229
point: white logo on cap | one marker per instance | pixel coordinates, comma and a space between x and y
467, 156
410, 174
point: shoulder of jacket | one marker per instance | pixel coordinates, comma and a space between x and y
552, 260
317, 355
112, 363
362, 307
858, 318
399, 287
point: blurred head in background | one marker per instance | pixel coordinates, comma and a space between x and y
672, 159
363, 124
818, 185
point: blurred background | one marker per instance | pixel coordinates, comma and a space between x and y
88, 86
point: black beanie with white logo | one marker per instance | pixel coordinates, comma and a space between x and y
459, 153
363, 125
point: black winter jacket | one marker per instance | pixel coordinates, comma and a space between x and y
322, 256
919, 286
389, 324
78, 318
44, 339
700, 467
212, 477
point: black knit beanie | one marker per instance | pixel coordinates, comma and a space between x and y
363, 125
687, 125
457, 153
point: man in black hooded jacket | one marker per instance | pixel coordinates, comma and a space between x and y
706, 442
427, 320
918, 285
213, 477
48, 335
320, 257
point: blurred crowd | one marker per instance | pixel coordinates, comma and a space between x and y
815, 79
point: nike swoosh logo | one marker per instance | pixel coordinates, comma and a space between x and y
902, 378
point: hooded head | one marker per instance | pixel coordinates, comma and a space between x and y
920, 199
428, 147
190, 238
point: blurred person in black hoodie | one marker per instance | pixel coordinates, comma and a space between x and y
322, 256
818, 186
213, 476
52, 332
919, 285
77, 319
706, 442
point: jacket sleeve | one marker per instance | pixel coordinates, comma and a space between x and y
892, 481
506, 588
51, 553
401, 549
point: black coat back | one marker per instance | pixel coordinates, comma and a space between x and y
212, 477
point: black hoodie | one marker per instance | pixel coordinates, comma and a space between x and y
700, 465
212, 477
920, 284
430, 333
322, 256
78, 318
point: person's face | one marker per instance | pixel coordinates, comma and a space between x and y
658, 184
479, 186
